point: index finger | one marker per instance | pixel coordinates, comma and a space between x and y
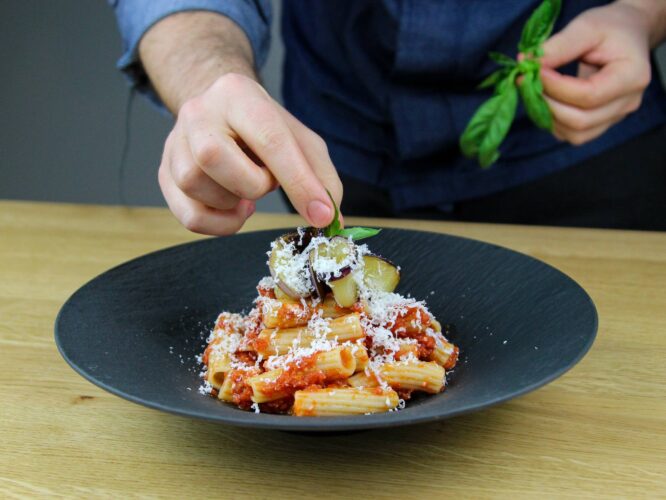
259, 123
611, 82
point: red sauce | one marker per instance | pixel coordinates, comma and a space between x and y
278, 406
293, 314
356, 307
247, 357
299, 375
266, 292
453, 359
241, 390
404, 394
259, 344
413, 321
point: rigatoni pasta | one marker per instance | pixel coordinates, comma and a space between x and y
327, 336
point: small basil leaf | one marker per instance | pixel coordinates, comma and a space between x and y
501, 111
502, 59
531, 92
528, 65
539, 26
334, 227
358, 233
494, 78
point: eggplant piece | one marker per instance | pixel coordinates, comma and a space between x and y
302, 240
333, 258
294, 284
345, 289
282, 296
319, 284
380, 273
330, 261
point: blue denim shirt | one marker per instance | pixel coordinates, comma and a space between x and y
391, 84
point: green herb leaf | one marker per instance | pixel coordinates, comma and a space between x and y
334, 227
490, 124
359, 233
502, 59
531, 91
356, 233
494, 78
539, 27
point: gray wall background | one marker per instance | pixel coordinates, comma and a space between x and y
63, 107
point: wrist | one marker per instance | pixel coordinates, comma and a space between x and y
654, 15
185, 53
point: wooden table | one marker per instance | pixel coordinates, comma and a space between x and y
600, 430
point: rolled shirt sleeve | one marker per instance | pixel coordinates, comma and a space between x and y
135, 17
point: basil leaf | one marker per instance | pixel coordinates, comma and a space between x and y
334, 227
356, 233
491, 122
539, 27
497, 118
531, 91
494, 78
502, 60
359, 233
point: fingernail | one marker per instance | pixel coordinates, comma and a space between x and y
320, 213
250, 210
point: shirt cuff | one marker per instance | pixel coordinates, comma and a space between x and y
136, 17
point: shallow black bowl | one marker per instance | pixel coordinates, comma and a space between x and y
136, 329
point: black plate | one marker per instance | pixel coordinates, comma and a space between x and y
136, 329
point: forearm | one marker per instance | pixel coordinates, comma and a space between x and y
654, 12
185, 53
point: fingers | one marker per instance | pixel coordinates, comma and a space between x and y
580, 120
614, 80
213, 149
191, 179
232, 145
578, 138
316, 153
198, 217
259, 123
569, 44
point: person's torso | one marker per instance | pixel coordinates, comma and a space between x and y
392, 83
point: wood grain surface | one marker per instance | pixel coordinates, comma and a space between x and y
599, 431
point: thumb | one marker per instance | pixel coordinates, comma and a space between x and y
575, 40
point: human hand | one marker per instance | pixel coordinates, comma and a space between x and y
233, 144
612, 45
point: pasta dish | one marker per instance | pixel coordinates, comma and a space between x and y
327, 335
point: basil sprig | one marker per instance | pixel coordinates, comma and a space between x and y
356, 233
487, 129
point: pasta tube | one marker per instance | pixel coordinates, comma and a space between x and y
226, 390
425, 376
445, 354
336, 401
407, 348
291, 313
362, 379
275, 384
263, 386
218, 364
272, 341
361, 356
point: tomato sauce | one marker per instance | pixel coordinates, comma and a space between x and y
299, 375
293, 314
413, 321
241, 390
278, 406
453, 359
